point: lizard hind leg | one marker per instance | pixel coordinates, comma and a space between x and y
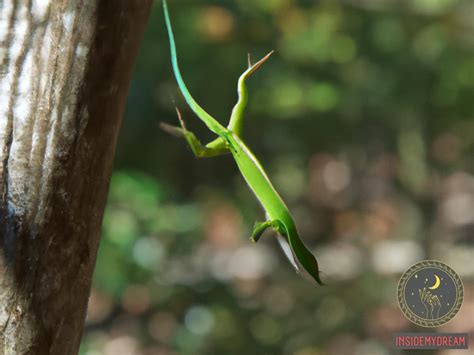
261, 227
258, 230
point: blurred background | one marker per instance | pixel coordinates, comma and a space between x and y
363, 119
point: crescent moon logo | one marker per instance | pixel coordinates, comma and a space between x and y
430, 293
436, 284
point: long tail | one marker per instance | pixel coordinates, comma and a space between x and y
210, 121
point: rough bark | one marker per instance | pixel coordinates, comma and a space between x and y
65, 68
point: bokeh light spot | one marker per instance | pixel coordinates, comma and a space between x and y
343, 49
216, 23
148, 252
265, 329
199, 320
322, 97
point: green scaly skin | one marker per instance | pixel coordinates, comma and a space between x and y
229, 139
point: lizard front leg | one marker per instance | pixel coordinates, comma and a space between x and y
214, 148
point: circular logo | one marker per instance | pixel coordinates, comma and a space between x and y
430, 293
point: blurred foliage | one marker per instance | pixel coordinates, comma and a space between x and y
363, 118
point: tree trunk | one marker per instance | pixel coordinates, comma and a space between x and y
65, 68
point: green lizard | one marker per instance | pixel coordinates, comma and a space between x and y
229, 139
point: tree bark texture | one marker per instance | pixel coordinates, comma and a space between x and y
65, 68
